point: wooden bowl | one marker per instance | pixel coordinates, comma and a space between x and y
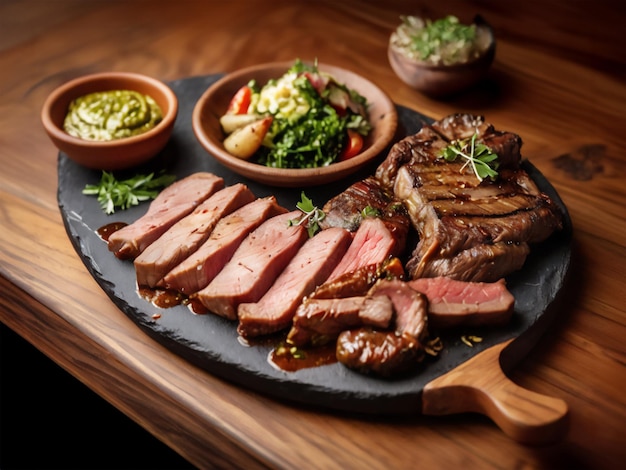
442, 80
114, 154
213, 103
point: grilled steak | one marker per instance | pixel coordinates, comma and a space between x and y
258, 261
172, 204
469, 229
454, 303
310, 267
186, 235
195, 272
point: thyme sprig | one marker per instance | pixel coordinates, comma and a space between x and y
312, 215
112, 193
480, 157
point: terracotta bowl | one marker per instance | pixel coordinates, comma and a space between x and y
213, 103
442, 80
115, 154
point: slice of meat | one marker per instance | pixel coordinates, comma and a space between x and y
360, 281
319, 321
373, 243
186, 235
377, 311
195, 272
310, 267
171, 205
454, 303
255, 265
410, 306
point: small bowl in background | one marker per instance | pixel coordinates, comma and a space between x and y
116, 154
214, 102
442, 80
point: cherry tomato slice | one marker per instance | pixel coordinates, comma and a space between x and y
241, 101
353, 146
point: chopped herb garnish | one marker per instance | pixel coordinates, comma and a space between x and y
369, 211
445, 41
286, 350
114, 194
482, 160
312, 216
443, 33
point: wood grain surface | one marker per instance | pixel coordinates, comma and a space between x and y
558, 81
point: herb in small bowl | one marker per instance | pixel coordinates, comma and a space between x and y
443, 56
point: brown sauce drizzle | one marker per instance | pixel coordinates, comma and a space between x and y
162, 298
196, 307
107, 230
282, 355
291, 359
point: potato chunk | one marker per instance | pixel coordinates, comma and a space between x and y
246, 140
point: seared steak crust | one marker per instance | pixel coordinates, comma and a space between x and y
468, 229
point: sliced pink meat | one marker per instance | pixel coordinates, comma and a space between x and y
410, 307
172, 204
373, 243
454, 303
255, 265
195, 272
310, 267
186, 235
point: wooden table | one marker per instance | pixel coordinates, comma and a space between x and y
558, 81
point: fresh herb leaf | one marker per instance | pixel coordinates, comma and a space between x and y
480, 157
113, 194
312, 216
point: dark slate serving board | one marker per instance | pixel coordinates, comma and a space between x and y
211, 342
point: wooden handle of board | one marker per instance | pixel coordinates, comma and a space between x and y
479, 385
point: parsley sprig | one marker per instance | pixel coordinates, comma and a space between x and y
482, 160
311, 215
123, 194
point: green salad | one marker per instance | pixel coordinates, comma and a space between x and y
311, 120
